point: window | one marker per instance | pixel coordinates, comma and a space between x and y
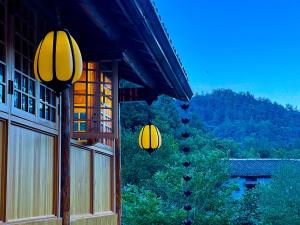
24, 42
93, 103
47, 104
2, 54
29, 95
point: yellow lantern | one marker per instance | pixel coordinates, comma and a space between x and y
149, 138
58, 61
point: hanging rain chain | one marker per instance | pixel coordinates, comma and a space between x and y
186, 164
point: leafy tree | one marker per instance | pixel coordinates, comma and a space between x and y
158, 178
279, 201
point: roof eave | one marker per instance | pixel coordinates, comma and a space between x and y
154, 35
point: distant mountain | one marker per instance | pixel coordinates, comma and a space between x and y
252, 122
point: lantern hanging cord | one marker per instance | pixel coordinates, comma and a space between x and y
149, 114
58, 14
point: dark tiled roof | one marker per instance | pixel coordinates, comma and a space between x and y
257, 167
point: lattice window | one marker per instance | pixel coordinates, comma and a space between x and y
24, 42
93, 103
2, 53
47, 104
29, 95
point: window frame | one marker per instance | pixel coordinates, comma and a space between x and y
115, 85
39, 27
5, 106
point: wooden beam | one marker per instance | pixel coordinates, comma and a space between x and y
137, 94
100, 20
65, 158
137, 67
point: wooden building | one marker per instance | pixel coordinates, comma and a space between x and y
119, 39
248, 173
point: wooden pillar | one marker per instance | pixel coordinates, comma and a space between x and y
65, 157
116, 109
118, 180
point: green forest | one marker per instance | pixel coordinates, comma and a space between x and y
223, 124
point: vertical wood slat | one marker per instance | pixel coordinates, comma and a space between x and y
30, 174
2, 169
80, 181
102, 183
101, 220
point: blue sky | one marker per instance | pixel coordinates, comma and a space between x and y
245, 45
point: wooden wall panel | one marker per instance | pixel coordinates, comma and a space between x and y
99, 220
102, 183
80, 181
30, 174
55, 221
2, 175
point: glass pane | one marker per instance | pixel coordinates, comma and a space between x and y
30, 69
48, 96
52, 114
42, 110
75, 127
2, 93
83, 76
47, 113
80, 100
25, 51
25, 65
83, 116
42, 93
75, 116
24, 84
91, 65
31, 88
18, 61
80, 88
24, 102
2, 73
17, 81
106, 114
53, 99
2, 52
17, 99
92, 76
82, 126
18, 43
2, 37
107, 127
31, 105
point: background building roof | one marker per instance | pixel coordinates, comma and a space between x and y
258, 167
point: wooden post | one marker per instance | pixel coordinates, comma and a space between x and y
118, 180
65, 158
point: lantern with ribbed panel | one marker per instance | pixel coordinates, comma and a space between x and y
58, 61
149, 138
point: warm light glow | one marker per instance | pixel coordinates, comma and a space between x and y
58, 61
92, 99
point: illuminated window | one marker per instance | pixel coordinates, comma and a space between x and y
93, 103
